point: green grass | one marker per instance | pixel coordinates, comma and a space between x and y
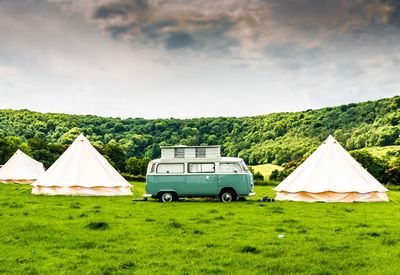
101, 235
266, 169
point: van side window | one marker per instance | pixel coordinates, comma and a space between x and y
229, 167
170, 168
179, 153
201, 168
200, 152
153, 168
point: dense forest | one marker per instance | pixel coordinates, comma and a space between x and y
275, 138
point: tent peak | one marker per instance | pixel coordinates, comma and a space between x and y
19, 152
330, 139
81, 137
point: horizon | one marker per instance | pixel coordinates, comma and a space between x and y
185, 118
196, 58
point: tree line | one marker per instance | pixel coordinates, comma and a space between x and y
276, 138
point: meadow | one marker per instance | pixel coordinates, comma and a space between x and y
105, 235
266, 169
386, 152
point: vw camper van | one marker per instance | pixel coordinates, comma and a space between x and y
197, 171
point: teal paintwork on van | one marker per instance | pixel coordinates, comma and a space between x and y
186, 177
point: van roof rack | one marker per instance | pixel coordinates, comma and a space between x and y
189, 146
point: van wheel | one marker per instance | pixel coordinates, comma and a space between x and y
227, 196
167, 197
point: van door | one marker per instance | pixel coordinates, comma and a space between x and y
201, 179
232, 175
171, 177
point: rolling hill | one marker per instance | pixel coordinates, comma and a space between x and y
274, 138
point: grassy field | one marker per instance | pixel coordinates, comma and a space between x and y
101, 235
382, 152
266, 169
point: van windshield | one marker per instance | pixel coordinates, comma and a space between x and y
244, 167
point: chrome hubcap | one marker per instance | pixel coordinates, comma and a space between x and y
167, 197
226, 197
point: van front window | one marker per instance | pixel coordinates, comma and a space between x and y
229, 167
244, 167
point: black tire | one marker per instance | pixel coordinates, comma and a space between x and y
227, 196
167, 197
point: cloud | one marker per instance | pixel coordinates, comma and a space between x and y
393, 11
179, 39
137, 58
292, 56
235, 28
120, 9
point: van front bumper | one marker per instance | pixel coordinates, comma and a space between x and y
147, 196
252, 194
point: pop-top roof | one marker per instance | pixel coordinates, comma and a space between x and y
190, 146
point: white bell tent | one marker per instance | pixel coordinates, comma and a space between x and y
21, 168
82, 171
331, 174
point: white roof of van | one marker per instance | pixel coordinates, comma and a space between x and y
179, 160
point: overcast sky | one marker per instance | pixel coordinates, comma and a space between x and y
192, 58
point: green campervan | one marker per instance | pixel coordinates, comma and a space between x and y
197, 171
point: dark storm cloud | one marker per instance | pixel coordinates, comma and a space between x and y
213, 35
179, 39
213, 25
120, 8
154, 30
118, 31
174, 24
394, 15
251, 29
175, 33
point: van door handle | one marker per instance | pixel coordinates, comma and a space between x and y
208, 177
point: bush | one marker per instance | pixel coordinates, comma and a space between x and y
258, 176
376, 166
131, 177
137, 166
277, 175
393, 172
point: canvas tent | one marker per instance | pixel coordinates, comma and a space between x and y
81, 170
21, 168
331, 174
